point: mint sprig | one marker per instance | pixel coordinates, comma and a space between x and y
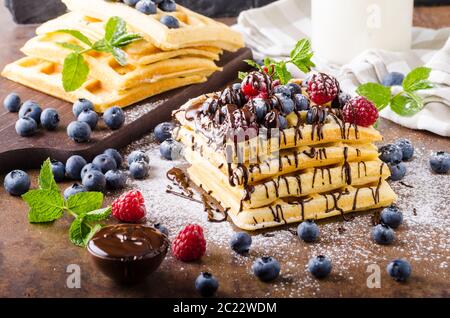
300, 56
75, 69
407, 102
47, 204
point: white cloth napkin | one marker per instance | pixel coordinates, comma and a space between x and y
273, 31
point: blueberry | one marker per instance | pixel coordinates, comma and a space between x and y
170, 149
137, 155
283, 90
168, 5
113, 153
301, 102
26, 127
398, 170
320, 266
261, 108
162, 229
81, 105
146, 6
393, 79
114, 117
266, 268
139, 169
399, 270
79, 131
17, 182
163, 131
287, 104
340, 100
407, 148
31, 109
59, 170
73, 167
105, 163
170, 21
94, 181
316, 115
294, 88
308, 231
236, 87
240, 242
206, 284
392, 216
89, 117
87, 168
390, 153
50, 119
440, 162
383, 234
12, 103
73, 189
131, 3
283, 123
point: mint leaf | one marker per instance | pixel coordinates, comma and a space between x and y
92, 232
78, 35
253, 64
242, 75
46, 178
126, 39
120, 56
79, 231
376, 93
84, 202
75, 72
71, 46
98, 215
417, 79
301, 55
406, 105
115, 27
282, 72
102, 46
45, 205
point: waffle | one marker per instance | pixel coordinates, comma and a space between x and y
195, 29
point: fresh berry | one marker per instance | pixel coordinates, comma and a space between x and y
115, 179
308, 231
240, 242
316, 115
390, 153
206, 284
440, 162
17, 182
287, 104
113, 153
294, 88
59, 170
282, 122
322, 88
137, 155
26, 127
360, 111
89, 167
104, 162
114, 117
398, 170
80, 105
73, 167
189, 245
131, 3
393, 79
168, 5
383, 234
399, 270
301, 102
170, 149
256, 84
162, 229
139, 169
261, 108
320, 266
170, 21
94, 181
391, 216
89, 117
146, 7
266, 268
163, 131
50, 119
283, 90
31, 109
12, 103
79, 131
129, 207
73, 189
341, 100
407, 148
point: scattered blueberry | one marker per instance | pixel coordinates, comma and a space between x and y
240, 242
399, 270
393, 79
301, 102
73, 189
236, 87
261, 108
170, 21
283, 122
383, 234
146, 6
163, 131
26, 127
115, 179
89, 117
162, 229
94, 180
17, 182
314, 116
206, 284
407, 148
139, 169
390, 153
50, 119
340, 100
113, 153
12, 103
74, 165
287, 104
114, 117
440, 162
170, 149
59, 170
266, 268
79, 131
294, 88
31, 109
80, 105
87, 168
283, 90
398, 170
104, 162
308, 231
320, 266
131, 3
391, 216
168, 5
137, 155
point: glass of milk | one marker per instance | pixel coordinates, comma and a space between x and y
342, 29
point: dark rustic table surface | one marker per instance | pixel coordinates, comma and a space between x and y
34, 258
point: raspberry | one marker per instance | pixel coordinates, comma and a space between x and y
257, 84
322, 88
129, 207
189, 245
360, 111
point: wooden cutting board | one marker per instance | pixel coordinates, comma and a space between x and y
23, 153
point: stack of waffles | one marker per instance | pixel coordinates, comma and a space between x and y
266, 174
163, 60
